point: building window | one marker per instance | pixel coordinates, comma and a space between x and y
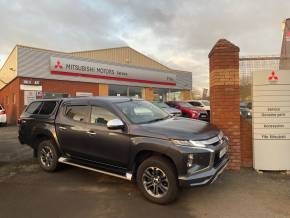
160, 94
118, 90
135, 92
174, 95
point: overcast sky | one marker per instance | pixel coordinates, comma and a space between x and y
178, 34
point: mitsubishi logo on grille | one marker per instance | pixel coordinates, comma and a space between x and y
58, 65
273, 76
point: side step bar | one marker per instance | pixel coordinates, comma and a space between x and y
64, 160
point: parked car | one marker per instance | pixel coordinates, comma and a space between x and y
171, 110
127, 138
189, 111
201, 103
3, 117
246, 109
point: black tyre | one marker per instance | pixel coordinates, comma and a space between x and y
157, 180
47, 156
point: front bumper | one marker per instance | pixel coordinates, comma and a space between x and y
205, 177
209, 174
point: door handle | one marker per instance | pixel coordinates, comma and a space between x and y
62, 128
91, 133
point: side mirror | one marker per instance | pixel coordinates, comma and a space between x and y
115, 124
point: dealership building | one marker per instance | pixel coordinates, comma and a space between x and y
33, 73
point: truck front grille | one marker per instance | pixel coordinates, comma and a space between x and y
217, 159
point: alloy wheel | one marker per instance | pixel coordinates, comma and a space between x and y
46, 156
155, 182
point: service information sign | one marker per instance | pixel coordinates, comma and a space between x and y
271, 120
96, 70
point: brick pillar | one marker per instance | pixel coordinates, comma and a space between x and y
246, 143
225, 95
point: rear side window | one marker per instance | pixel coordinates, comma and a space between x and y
47, 107
78, 113
1, 108
34, 107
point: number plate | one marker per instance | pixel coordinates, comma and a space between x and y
223, 151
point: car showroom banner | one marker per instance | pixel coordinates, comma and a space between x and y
271, 120
77, 68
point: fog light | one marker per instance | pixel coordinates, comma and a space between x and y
190, 160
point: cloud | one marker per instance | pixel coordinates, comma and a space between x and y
62, 25
177, 33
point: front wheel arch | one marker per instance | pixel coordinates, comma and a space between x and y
170, 189
145, 154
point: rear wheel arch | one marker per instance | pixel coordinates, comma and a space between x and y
42, 137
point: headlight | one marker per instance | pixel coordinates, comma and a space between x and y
190, 158
197, 144
188, 143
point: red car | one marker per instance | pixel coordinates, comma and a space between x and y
189, 111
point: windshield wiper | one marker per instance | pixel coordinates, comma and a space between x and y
158, 119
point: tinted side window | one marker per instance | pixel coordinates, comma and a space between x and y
34, 107
101, 116
78, 113
47, 107
1, 107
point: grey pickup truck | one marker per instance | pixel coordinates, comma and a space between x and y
127, 138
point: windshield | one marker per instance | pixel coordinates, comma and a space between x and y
140, 112
185, 104
243, 105
160, 104
205, 103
